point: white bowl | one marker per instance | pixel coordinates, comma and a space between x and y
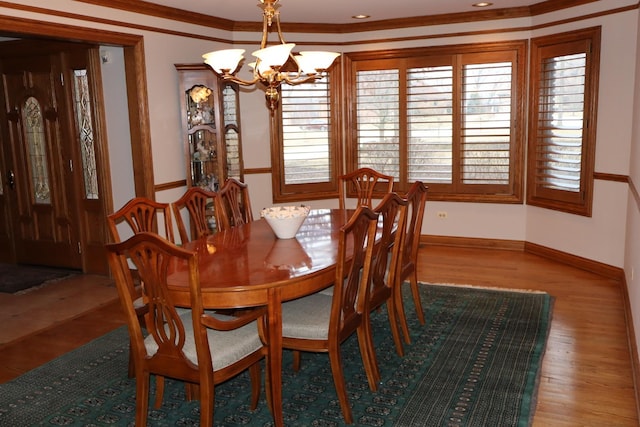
285, 221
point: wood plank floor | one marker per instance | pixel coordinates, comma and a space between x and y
586, 374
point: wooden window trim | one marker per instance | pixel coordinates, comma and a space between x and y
446, 192
579, 203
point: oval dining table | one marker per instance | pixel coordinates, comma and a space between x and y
248, 266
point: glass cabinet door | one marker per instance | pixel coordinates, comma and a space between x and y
211, 125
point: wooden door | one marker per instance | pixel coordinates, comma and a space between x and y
53, 206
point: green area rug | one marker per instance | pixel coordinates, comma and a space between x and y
475, 363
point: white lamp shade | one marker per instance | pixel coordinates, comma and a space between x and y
321, 60
227, 59
274, 56
305, 64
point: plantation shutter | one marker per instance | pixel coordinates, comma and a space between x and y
486, 127
378, 120
560, 122
306, 125
430, 124
561, 140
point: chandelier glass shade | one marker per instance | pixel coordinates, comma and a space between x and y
269, 66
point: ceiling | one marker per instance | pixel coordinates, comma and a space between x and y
336, 11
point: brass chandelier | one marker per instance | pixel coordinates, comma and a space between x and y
268, 67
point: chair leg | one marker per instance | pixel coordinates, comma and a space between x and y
393, 324
296, 360
402, 317
256, 383
368, 354
159, 391
142, 398
338, 380
416, 297
206, 396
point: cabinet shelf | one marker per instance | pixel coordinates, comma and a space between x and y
209, 109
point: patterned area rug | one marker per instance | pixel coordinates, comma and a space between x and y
19, 278
475, 363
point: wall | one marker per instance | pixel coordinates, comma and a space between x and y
600, 238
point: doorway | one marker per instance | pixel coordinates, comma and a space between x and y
53, 191
136, 90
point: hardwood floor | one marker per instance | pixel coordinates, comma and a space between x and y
586, 373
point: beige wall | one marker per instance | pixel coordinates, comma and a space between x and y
601, 238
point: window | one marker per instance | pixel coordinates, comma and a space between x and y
306, 161
448, 116
564, 87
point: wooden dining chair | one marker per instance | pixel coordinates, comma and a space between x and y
364, 182
393, 213
234, 204
196, 346
320, 322
198, 205
140, 214
416, 198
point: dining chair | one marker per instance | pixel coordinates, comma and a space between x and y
199, 205
140, 214
234, 204
364, 182
320, 322
194, 346
388, 249
416, 198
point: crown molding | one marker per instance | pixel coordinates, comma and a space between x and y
147, 8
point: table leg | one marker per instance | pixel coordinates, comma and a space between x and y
274, 315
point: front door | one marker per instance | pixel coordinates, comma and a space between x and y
52, 204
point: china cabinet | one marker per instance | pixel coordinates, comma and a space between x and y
210, 126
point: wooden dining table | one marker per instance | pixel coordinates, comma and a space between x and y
248, 266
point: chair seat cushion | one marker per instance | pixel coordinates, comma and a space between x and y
226, 347
307, 317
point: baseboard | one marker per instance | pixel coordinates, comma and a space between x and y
472, 242
596, 267
633, 344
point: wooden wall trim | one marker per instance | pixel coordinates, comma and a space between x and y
166, 12
596, 267
633, 344
472, 242
170, 185
610, 177
256, 171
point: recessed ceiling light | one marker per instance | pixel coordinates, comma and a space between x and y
482, 4
361, 16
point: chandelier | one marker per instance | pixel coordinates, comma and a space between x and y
269, 67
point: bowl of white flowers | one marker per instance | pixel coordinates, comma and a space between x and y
285, 221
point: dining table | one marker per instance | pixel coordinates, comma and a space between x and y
248, 266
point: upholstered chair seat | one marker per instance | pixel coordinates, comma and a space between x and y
308, 317
226, 347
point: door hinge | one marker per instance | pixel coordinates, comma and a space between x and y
79, 248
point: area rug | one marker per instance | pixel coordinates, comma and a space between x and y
18, 277
475, 363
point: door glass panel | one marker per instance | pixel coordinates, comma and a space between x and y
34, 132
82, 99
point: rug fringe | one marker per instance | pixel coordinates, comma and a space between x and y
492, 288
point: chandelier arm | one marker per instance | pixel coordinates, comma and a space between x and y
238, 80
298, 81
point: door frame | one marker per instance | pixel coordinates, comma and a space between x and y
136, 89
